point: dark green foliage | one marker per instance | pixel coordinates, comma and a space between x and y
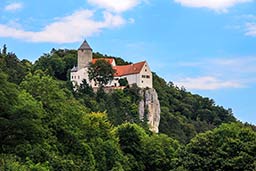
85, 89
13, 67
57, 63
121, 108
147, 152
119, 61
123, 82
131, 142
101, 72
47, 126
13, 163
44, 89
229, 147
130, 138
20, 118
7, 90
184, 114
120, 105
160, 152
53, 127
4, 51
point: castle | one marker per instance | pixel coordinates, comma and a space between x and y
138, 73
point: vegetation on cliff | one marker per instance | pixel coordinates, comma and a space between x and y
45, 125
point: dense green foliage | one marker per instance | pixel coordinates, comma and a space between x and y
183, 114
101, 72
45, 125
57, 63
15, 69
120, 105
229, 147
119, 61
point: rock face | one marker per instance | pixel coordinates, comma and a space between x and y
149, 108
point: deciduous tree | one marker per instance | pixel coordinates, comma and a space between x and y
229, 147
101, 72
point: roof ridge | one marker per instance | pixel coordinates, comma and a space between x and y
129, 69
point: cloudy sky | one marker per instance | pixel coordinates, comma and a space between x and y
207, 46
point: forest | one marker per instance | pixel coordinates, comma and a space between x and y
47, 126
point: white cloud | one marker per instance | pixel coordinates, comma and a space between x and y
207, 83
219, 73
235, 65
115, 5
250, 29
68, 29
131, 20
216, 5
248, 16
14, 6
242, 67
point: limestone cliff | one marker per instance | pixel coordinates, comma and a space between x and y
149, 108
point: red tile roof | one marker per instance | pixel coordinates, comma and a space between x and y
123, 69
128, 69
109, 60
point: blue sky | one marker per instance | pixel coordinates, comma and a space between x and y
208, 46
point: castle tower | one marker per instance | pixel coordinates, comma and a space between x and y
84, 55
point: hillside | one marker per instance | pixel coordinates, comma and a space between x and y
45, 125
183, 114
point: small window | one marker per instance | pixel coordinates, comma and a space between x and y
148, 76
72, 76
146, 70
78, 77
141, 81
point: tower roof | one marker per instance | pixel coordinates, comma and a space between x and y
85, 46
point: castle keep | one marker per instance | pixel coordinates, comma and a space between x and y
137, 73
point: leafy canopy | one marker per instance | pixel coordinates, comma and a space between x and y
229, 147
101, 72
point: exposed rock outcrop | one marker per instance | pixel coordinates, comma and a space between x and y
149, 108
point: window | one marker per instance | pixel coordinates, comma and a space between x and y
141, 81
145, 76
78, 77
146, 70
